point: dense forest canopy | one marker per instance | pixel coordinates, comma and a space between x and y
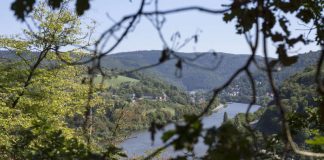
64, 96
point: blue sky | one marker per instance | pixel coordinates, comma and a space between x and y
216, 35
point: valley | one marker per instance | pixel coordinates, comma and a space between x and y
154, 80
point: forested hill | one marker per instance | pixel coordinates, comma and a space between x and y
240, 89
301, 83
194, 77
302, 104
141, 99
51, 113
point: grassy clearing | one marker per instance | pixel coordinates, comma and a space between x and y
114, 81
169, 109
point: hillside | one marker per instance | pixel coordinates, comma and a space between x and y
61, 96
240, 89
301, 83
194, 78
141, 99
114, 81
302, 104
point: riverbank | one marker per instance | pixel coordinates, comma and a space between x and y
220, 106
135, 132
140, 143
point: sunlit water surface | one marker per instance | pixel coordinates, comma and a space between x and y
140, 143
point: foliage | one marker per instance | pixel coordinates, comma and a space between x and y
130, 102
269, 18
193, 78
303, 111
40, 92
23, 7
229, 138
113, 81
263, 90
39, 117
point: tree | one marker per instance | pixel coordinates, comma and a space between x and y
259, 17
39, 119
53, 36
225, 117
39, 91
54, 30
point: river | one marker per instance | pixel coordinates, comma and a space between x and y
140, 143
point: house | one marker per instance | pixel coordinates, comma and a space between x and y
148, 96
132, 97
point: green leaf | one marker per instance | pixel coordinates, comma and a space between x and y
179, 64
273, 63
55, 3
305, 15
167, 135
277, 37
165, 55
228, 17
283, 57
283, 24
289, 60
22, 8
319, 140
292, 41
81, 6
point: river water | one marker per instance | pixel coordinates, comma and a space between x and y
140, 143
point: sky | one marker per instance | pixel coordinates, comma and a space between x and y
215, 35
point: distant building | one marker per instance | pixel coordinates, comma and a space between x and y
148, 96
202, 100
270, 94
192, 100
132, 97
164, 97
